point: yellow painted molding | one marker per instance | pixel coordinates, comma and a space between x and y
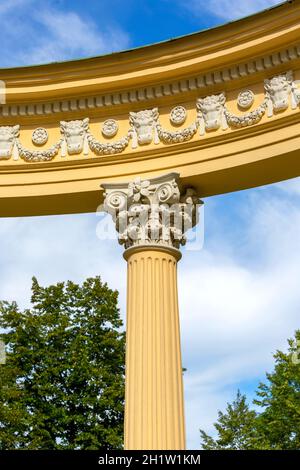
63, 175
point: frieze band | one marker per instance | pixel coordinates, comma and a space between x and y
144, 126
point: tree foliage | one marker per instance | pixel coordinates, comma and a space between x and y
235, 427
62, 386
279, 398
277, 425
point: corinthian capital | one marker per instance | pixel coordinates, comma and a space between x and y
151, 212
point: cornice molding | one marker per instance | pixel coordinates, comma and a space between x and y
201, 83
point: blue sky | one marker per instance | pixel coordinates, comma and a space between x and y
33, 31
239, 296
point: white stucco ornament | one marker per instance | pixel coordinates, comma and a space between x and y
39, 136
245, 99
211, 113
178, 115
8, 137
152, 212
281, 91
110, 128
144, 127
75, 136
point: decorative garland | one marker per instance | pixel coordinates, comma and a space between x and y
247, 119
175, 137
100, 148
37, 155
280, 92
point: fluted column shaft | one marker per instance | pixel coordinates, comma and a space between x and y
154, 409
152, 217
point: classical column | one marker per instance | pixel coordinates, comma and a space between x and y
151, 218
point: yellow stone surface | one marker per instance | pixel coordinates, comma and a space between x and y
154, 414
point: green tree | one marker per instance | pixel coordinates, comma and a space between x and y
62, 386
235, 428
279, 422
277, 426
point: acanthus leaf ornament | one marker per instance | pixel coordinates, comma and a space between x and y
151, 212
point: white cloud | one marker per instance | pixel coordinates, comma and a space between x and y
290, 187
228, 9
53, 249
69, 36
235, 312
237, 305
43, 33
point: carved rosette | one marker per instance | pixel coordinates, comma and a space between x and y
39, 136
110, 128
145, 128
151, 212
245, 99
178, 115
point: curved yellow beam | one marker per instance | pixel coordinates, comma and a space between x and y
210, 139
